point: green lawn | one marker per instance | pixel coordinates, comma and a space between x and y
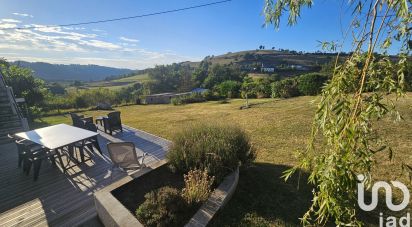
277, 128
115, 84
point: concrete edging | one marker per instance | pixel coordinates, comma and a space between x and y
110, 211
113, 214
219, 198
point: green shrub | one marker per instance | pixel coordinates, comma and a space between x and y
192, 98
285, 88
176, 101
262, 88
311, 83
162, 207
217, 148
211, 96
198, 186
228, 89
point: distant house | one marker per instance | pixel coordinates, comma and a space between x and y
163, 98
298, 67
266, 69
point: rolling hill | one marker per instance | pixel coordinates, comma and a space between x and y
285, 63
59, 72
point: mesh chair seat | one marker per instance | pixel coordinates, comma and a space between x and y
124, 156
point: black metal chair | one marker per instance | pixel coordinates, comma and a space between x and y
21, 153
79, 120
89, 143
34, 155
112, 122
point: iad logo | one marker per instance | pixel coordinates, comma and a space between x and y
390, 221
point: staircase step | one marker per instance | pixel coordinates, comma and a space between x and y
6, 112
10, 124
4, 132
5, 140
4, 104
8, 118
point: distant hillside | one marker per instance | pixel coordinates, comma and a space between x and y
285, 63
58, 72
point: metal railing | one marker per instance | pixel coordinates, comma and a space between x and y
2, 80
14, 106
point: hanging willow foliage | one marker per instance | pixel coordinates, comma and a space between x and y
351, 101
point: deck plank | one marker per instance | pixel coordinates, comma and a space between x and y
58, 199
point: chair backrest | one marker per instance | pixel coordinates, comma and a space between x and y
74, 115
76, 119
90, 126
123, 154
78, 122
114, 118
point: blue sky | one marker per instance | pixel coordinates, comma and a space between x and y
161, 39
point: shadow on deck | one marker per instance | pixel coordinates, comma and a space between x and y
58, 199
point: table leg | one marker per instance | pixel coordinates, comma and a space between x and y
81, 150
96, 145
59, 156
71, 153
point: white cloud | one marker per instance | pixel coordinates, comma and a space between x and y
9, 21
77, 46
128, 39
7, 25
23, 15
101, 44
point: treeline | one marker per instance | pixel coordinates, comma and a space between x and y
223, 81
41, 97
59, 72
183, 78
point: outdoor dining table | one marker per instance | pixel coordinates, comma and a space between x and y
57, 137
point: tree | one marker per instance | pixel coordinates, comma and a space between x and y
77, 83
200, 74
286, 88
219, 73
262, 87
311, 83
24, 84
247, 89
345, 113
56, 89
228, 88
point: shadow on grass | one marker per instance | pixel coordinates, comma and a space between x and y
263, 198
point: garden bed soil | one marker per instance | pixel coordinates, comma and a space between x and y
131, 195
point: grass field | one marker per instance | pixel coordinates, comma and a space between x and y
277, 129
115, 84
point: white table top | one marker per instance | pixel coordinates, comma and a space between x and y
56, 136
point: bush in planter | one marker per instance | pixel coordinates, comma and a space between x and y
217, 148
197, 186
163, 207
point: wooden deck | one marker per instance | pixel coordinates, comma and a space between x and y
58, 199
